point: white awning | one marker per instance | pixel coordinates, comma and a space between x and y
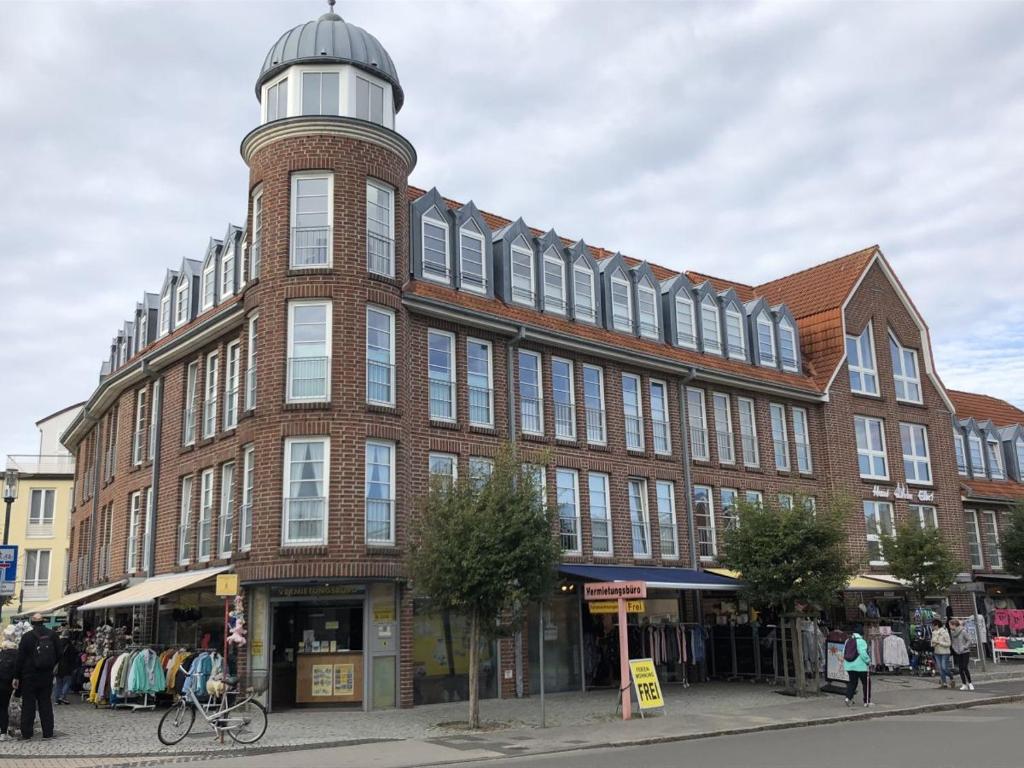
153, 588
74, 597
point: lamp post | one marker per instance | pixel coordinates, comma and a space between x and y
10, 494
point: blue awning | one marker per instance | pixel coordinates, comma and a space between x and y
656, 577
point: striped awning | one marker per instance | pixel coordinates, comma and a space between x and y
149, 590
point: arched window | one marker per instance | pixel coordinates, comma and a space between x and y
436, 263
710, 328
765, 339
787, 345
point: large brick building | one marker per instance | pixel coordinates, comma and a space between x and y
279, 406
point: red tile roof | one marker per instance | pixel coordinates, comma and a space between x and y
818, 288
985, 407
745, 292
1004, 490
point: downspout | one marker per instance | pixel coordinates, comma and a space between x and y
510, 346
157, 423
688, 484
95, 491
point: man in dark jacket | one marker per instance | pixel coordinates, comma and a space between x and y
33, 676
8, 660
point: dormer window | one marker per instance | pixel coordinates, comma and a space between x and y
686, 321
209, 283
320, 92
622, 304
522, 272
787, 345
165, 313
182, 302
734, 333
711, 333
647, 307
977, 460
904, 372
369, 101
1019, 446
995, 458
584, 300
961, 453
473, 276
554, 282
277, 100
860, 358
436, 265
227, 272
765, 340
143, 329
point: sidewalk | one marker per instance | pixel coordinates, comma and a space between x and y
431, 734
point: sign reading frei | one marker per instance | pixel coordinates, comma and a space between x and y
614, 590
612, 606
645, 682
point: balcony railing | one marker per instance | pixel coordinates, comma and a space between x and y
380, 254
584, 313
480, 406
737, 351
706, 541
203, 550
569, 533
634, 433
442, 399
565, 421
379, 387
600, 534
378, 520
788, 362
669, 545
231, 408
726, 447
686, 339
622, 322
803, 456
108, 463
307, 378
556, 303
649, 329
311, 246
474, 281
436, 270
139, 446
781, 454
699, 443
304, 518
749, 444
524, 295
29, 464
531, 409
595, 425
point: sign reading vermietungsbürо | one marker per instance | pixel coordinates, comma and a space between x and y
613, 590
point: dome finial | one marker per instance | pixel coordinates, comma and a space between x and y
330, 15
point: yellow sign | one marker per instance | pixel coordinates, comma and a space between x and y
227, 585
322, 680
384, 612
645, 682
612, 606
344, 679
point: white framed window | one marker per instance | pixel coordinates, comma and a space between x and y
977, 459
143, 330
926, 515
232, 354
787, 345
754, 497
711, 331
139, 438
277, 100
40, 512
584, 298
665, 490
188, 432
734, 336
321, 93
811, 504
786, 501
480, 471
993, 552
134, 514
209, 284
974, 539
802, 440
210, 400
878, 521
436, 258
563, 392
443, 469
593, 404
704, 521
182, 302
860, 359
633, 409
165, 314
905, 373
480, 382
961, 453
227, 272
205, 545
917, 465
600, 513
765, 339
531, 393
659, 418
686, 321
37, 574
380, 227
441, 374
472, 262
697, 418
380, 492
309, 351
639, 516
871, 456
306, 473
995, 458
1019, 450
647, 310
538, 476
730, 515
226, 521
622, 303
311, 220
248, 490
185, 522
554, 282
522, 272
568, 500
257, 235
780, 437
380, 355
723, 428
250, 369
748, 432
369, 101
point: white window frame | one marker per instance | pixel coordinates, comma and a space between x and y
686, 338
227, 272
638, 417
41, 514
991, 543
754, 497
208, 285
994, 457
621, 322
724, 438
226, 520
661, 427
565, 423
540, 392
191, 397
728, 498
293, 210
480, 470
926, 514
210, 394
232, 382
471, 230
650, 328
245, 519
711, 343
165, 313
917, 433
901, 379
185, 521
256, 256
640, 516
596, 418
134, 516
182, 301
521, 248
977, 469
581, 268
709, 529
572, 505
36, 586
786, 501
272, 95
328, 348
389, 315
780, 437
604, 511
373, 88
435, 458
390, 540
743, 403
866, 370
450, 381
765, 357
668, 529
960, 450
324, 479
204, 531
734, 330
802, 441
869, 450
876, 508
139, 441
974, 538
320, 92
786, 330
697, 429
470, 386
250, 360
556, 302
435, 218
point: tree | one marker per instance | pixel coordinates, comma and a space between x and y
1012, 540
920, 557
485, 551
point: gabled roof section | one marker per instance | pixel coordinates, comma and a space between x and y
615, 262
191, 267
643, 270
985, 408
550, 239
169, 278
820, 288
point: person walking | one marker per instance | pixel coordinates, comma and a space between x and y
942, 648
68, 663
961, 646
8, 660
856, 662
38, 654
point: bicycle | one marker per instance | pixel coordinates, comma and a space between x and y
245, 721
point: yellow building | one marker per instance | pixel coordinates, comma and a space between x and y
40, 520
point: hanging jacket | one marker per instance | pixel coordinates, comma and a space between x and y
146, 675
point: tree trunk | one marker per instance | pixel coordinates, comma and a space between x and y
474, 671
783, 652
798, 658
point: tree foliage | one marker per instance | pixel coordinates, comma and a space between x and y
1012, 540
789, 556
920, 557
485, 551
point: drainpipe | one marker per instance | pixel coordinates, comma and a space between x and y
510, 346
688, 482
95, 490
157, 422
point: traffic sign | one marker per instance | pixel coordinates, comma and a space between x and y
8, 568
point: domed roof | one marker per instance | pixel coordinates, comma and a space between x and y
330, 39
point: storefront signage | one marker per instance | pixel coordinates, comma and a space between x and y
384, 612
612, 606
902, 492
613, 590
344, 679
926, 495
880, 492
227, 585
317, 590
645, 682
322, 680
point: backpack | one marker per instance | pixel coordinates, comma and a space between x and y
8, 660
45, 658
850, 651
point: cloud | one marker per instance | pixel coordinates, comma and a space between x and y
746, 140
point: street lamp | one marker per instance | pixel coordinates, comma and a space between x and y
10, 494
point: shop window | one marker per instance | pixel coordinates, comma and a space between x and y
440, 655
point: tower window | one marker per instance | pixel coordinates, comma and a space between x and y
320, 93
277, 100
369, 101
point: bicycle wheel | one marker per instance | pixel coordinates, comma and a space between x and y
247, 722
176, 724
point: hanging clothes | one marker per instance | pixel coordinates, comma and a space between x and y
145, 674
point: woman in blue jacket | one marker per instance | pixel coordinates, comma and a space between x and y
857, 669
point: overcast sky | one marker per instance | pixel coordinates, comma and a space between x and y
743, 140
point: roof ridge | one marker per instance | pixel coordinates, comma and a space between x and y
718, 277
817, 266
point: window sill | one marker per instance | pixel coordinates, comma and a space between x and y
190, 448
320, 269
482, 429
302, 550
912, 403
386, 279
869, 479
866, 395
533, 438
439, 424
380, 548
381, 408
599, 447
317, 405
921, 483
570, 442
636, 452
664, 457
